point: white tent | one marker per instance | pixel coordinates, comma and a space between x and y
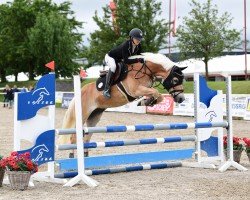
230, 64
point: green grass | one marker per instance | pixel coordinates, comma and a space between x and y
238, 87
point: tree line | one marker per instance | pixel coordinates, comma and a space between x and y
34, 32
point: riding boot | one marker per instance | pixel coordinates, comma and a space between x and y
109, 80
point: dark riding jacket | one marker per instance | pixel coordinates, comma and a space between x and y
123, 51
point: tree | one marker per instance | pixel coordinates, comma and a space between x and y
18, 18
14, 24
53, 38
3, 44
142, 14
205, 34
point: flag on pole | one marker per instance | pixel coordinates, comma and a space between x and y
83, 73
51, 65
174, 21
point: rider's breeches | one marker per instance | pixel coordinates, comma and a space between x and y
110, 62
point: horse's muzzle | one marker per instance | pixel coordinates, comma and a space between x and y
179, 98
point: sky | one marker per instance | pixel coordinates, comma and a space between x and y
85, 9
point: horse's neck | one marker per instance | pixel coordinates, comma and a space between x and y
158, 70
151, 69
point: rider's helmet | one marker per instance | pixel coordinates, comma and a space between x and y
136, 33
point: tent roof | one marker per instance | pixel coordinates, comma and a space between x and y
229, 64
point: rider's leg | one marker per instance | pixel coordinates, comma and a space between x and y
112, 67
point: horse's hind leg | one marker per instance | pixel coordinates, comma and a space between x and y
92, 120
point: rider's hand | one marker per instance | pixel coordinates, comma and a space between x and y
141, 60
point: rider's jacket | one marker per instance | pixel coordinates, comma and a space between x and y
123, 51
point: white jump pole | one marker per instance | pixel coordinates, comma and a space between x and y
230, 162
81, 177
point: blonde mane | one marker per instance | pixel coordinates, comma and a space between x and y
156, 58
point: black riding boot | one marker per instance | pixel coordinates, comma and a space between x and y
109, 79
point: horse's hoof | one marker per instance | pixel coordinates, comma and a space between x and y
71, 155
141, 103
150, 102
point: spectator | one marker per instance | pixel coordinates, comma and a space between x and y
5, 100
15, 89
31, 88
8, 97
24, 89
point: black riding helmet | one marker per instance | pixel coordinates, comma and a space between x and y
136, 33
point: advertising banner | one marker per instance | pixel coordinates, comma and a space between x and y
247, 112
186, 108
129, 107
66, 99
164, 108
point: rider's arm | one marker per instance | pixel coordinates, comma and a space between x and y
125, 55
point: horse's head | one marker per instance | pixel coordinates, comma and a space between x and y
173, 83
158, 65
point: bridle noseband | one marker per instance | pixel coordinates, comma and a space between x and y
174, 79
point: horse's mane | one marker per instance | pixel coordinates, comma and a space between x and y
156, 58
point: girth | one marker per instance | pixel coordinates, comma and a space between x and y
124, 92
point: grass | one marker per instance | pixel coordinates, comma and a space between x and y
238, 87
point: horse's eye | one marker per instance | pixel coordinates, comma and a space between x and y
175, 80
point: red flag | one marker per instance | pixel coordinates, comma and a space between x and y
51, 65
83, 73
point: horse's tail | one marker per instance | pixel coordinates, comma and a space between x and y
68, 122
69, 119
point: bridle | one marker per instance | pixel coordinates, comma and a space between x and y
143, 71
175, 78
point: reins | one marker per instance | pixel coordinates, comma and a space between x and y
143, 71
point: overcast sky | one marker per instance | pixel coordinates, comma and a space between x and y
85, 9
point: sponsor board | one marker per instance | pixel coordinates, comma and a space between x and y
165, 107
238, 105
129, 107
66, 99
186, 108
247, 113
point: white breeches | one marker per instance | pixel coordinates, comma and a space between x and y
110, 62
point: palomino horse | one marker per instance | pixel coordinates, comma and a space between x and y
138, 83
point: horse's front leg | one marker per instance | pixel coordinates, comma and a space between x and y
153, 95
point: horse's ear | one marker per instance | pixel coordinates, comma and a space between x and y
182, 68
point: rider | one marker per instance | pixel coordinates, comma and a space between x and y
130, 47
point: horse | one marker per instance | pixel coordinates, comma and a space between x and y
137, 83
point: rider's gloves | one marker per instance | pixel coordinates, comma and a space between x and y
141, 60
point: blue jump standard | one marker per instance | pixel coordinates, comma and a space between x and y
121, 169
130, 142
145, 127
126, 159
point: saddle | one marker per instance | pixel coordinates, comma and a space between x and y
120, 74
